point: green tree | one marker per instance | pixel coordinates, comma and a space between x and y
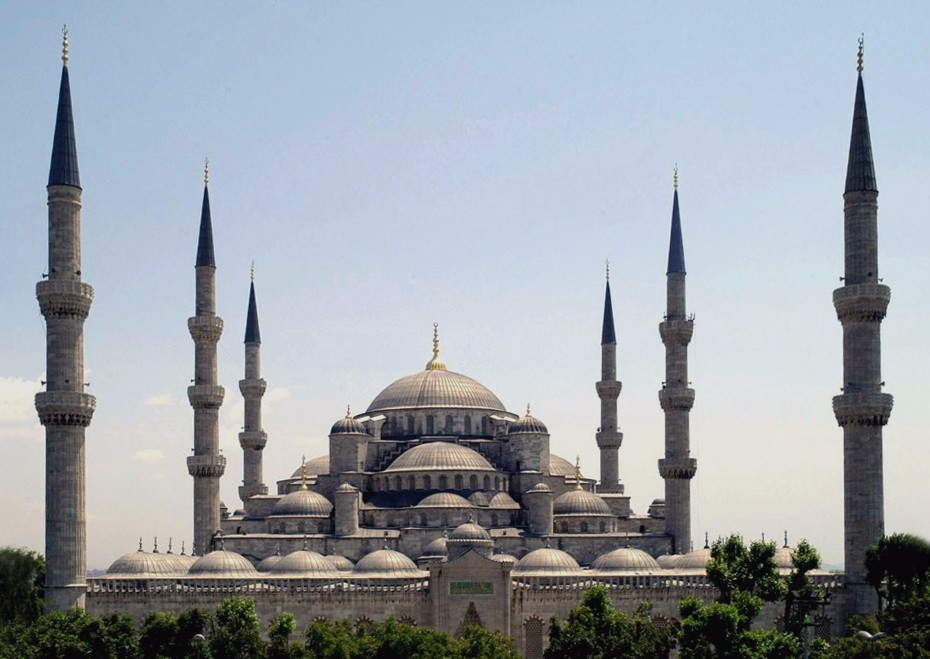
328, 640
237, 632
191, 623
898, 567
803, 596
279, 634
480, 643
158, 635
22, 584
596, 629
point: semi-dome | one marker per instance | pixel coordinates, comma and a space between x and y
558, 466
444, 500
302, 503
668, 561
479, 498
626, 559
504, 558
547, 561
348, 426
223, 563
266, 564
386, 563
503, 501
469, 532
440, 456
341, 563
315, 467
435, 389
304, 561
695, 560
141, 562
529, 424
437, 548
580, 502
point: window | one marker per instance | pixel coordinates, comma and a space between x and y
458, 481
443, 482
427, 483
473, 482
429, 424
467, 429
449, 423
487, 482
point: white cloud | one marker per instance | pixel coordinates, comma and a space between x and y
158, 399
147, 455
17, 399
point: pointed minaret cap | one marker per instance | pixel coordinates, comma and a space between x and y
64, 166
252, 332
205, 242
435, 364
676, 246
608, 335
860, 170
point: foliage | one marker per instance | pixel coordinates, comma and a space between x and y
898, 567
279, 644
236, 630
73, 634
22, 583
158, 635
480, 643
596, 629
733, 568
803, 596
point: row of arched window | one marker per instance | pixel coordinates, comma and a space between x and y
439, 482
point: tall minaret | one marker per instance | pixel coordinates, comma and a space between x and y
676, 397
608, 389
252, 439
205, 395
862, 409
64, 409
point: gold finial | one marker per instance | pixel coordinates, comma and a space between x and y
206, 171
303, 472
435, 364
607, 263
861, 44
577, 472
64, 44
252, 271
675, 177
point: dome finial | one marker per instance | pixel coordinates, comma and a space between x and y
675, 177
435, 364
859, 58
64, 44
305, 543
169, 544
348, 411
303, 472
140, 543
252, 271
182, 547
155, 547
706, 540
528, 409
206, 171
577, 472
786, 539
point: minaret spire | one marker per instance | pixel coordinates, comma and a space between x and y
435, 364
676, 397
253, 438
63, 408
207, 464
608, 389
862, 409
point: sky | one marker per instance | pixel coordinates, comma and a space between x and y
392, 165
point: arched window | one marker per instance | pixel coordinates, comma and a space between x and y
487, 482
473, 482
497, 482
301, 528
494, 519
458, 481
410, 422
449, 422
397, 484
429, 424
427, 483
484, 425
603, 526
444, 519
467, 429
422, 519
533, 639
411, 483
584, 527
443, 482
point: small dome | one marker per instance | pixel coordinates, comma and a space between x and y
783, 558
437, 548
345, 487
547, 561
341, 563
316, 467
239, 512
529, 424
302, 503
580, 502
222, 562
143, 563
435, 389
440, 456
657, 509
668, 562
695, 560
503, 501
539, 488
386, 563
444, 500
348, 426
503, 558
266, 564
304, 561
469, 532
559, 467
626, 559
479, 499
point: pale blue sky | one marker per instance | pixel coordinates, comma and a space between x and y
388, 165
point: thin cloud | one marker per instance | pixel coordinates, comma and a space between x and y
148, 455
158, 399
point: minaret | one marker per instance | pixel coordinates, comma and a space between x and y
64, 409
252, 439
676, 397
205, 395
608, 389
862, 409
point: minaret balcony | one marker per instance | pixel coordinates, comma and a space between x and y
609, 439
862, 409
205, 396
206, 466
65, 408
677, 468
205, 328
676, 332
253, 439
64, 298
680, 398
255, 489
861, 303
609, 388
252, 387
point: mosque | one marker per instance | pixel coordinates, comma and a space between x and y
436, 505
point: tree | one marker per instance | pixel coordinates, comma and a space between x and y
236, 630
803, 596
898, 567
191, 623
596, 629
480, 643
158, 635
22, 583
279, 643
328, 640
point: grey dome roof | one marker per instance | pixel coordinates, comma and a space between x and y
668, 561
444, 500
341, 563
386, 563
222, 562
580, 502
304, 561
695, 560
437, 547
529, 424
558, 466
503, 501
503, 558
315, 467
440, 456
539, 488
143, 563
266, 564
348, 426
547, 561
783, 557
302, 503
479, 498
626, 559
435, 389
469, 532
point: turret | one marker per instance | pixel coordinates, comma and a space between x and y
63, 408
346, 512
676, 397
206, 465
528, 444
608, 437
348, 445
253, 438
538, 502
862, 409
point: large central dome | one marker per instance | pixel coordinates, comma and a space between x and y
435, 389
